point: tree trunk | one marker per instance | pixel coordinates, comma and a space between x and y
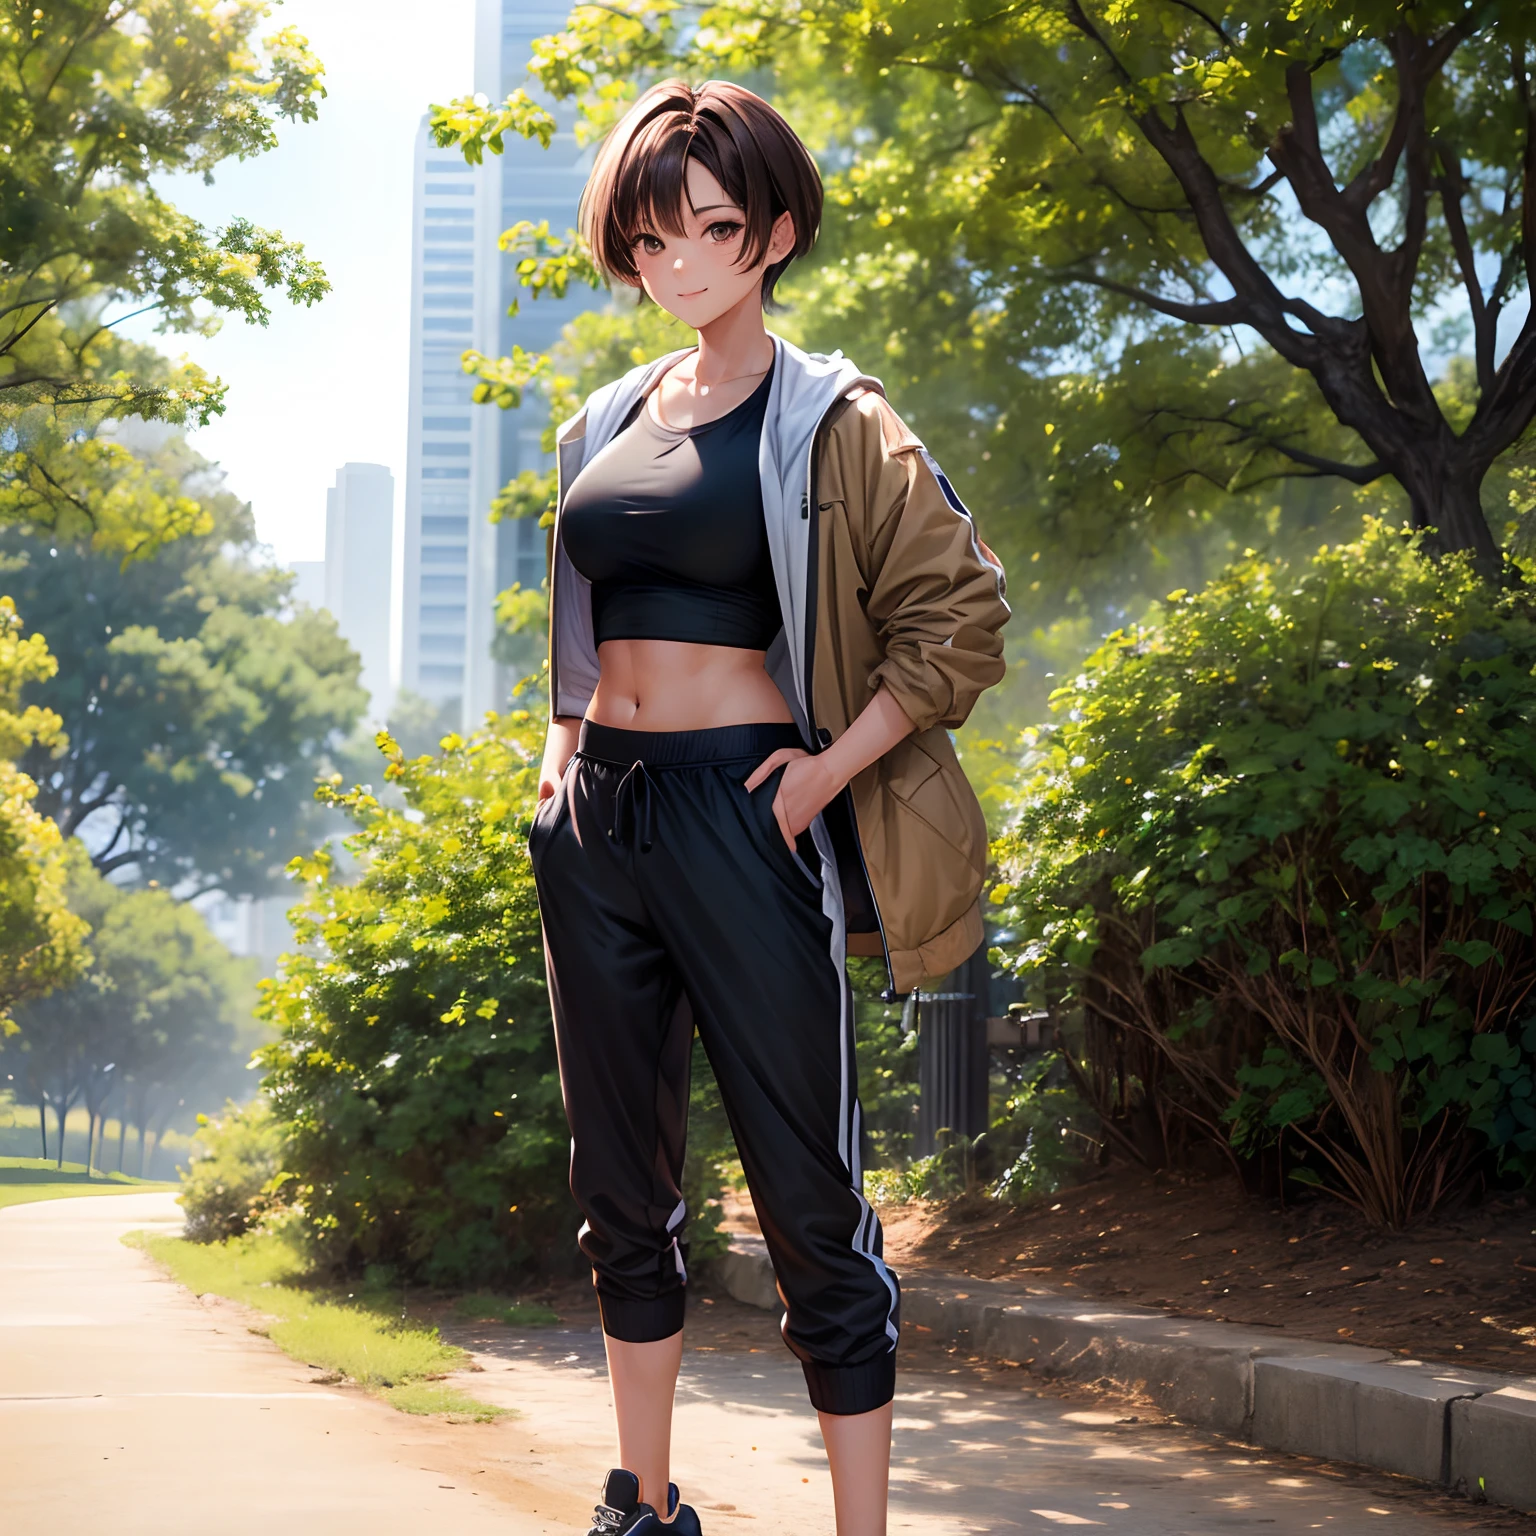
42, 1125
122, 1136
90, 1139
1448, 499
60, 1111
140, 1129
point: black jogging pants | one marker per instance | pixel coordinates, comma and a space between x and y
670, 899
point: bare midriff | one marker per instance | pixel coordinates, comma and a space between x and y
673, 685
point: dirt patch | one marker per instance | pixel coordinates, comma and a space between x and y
1460, 1289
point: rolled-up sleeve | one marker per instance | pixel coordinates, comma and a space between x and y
935, 599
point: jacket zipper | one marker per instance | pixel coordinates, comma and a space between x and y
808, 506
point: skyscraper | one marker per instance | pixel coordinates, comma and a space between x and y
458, 454
359, 552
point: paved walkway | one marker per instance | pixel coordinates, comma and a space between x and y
128, 1406
125, 1406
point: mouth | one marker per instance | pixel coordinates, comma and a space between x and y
696, 292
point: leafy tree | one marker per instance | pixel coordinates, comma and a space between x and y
414, 1070
199, 708
160, 1011
1277, 846
39, 936
98, 104
1119, 198
1061, 443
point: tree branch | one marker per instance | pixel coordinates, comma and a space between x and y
1452, 186
1079, 19
1207, 18
1266, 306
1385, 283
1216, 312
1527, 170
1357, 474
10, 309
1504, 411
117, 861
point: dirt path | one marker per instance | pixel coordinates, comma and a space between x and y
126, 1405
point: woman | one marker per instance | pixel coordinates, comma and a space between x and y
766, 609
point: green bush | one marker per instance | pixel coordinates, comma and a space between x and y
414, 1068
1278, 849
237, 1182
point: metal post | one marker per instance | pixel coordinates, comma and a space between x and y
952, 1056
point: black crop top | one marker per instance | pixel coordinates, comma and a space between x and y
667, 525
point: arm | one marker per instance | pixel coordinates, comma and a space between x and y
559, 745
811, 783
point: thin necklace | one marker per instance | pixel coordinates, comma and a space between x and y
704, 389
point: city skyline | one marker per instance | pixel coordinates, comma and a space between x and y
448, 561
458, 455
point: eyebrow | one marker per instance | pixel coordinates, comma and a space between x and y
707, 208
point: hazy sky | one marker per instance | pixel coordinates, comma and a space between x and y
324, 385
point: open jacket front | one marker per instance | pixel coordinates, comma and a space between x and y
881, 580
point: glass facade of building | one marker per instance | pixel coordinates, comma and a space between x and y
459, 455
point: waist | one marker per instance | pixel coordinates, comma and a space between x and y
670, 685
685, 749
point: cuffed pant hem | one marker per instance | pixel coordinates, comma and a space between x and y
850, 1389
642, 1322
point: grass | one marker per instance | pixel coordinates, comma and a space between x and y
433, 1397
501, 1309
19, 1136
359, 1337
24, 1179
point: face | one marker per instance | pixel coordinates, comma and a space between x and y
697, 276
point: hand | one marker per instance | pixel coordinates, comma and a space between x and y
549, 776
808, 784
559, 745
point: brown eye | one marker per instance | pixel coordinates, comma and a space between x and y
650, 244
723, 231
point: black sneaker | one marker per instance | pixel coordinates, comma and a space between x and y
684, 1517
622, 1514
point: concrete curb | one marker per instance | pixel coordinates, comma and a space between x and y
1467, 1430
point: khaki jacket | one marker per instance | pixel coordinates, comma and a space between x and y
882, 580
907, 599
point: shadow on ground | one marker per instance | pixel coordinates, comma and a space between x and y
977, 1448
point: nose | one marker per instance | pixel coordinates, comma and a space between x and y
677, 266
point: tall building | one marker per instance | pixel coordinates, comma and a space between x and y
459, 455
359, 552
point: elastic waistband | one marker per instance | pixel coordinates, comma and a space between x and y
685, 749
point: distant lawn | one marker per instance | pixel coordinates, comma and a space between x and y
23, 1179
361, 1337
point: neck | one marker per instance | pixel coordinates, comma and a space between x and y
734, 343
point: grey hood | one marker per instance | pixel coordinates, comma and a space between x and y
805, 387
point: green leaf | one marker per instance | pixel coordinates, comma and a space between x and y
1474, 951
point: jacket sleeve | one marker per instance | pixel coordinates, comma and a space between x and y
933, 596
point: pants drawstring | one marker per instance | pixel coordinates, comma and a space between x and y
637, 783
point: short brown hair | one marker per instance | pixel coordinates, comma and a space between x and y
639, 180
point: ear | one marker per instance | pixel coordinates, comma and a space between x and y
781, 239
